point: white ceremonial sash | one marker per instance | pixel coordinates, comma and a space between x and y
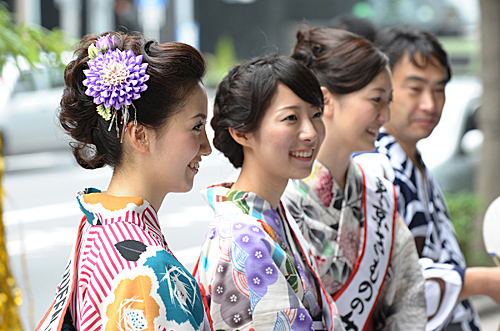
328, 314
357, 299
54, 318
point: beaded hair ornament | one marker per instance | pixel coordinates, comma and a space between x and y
114, 79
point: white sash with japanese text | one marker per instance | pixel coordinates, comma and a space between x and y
357, 299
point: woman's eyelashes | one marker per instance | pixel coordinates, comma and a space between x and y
318, 114
199, 126
290, 118
379, 99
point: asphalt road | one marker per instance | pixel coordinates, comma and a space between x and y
41, 217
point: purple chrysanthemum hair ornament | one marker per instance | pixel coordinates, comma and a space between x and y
114, 79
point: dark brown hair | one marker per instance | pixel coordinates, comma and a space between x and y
245, 93
397, 41
342, 61
174, 70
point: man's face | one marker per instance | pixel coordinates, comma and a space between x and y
418, 99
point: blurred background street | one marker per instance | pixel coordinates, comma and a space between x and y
41, 178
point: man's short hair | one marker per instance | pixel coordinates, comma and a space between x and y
398, 41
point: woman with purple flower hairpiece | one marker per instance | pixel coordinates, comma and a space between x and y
140, 108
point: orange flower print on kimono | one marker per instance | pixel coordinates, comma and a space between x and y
128, 312
158, 287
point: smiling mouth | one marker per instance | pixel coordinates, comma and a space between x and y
373, 131
303, 154
194, 165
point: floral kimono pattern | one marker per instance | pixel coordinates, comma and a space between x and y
122, 275
423, 208
253, 269
333, 222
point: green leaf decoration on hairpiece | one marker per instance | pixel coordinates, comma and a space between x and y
104, 112
93, 51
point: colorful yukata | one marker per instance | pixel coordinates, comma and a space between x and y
121, 274
384, 279
422, 206
253, 269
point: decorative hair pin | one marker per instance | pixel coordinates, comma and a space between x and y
114, 79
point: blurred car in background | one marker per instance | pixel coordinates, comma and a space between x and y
452, 151
29, 100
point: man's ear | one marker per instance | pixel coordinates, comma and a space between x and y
138, 137
328, 100
241, 138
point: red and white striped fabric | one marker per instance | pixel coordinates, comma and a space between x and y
125, 277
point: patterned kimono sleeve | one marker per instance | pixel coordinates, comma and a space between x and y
155, 293
304, 210
443, 283
312, 218
250, 282
402, 303
443, 277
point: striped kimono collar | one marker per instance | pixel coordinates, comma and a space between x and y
104, 209
387, 144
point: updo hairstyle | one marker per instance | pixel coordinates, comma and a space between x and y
245, 93
342, 61
174, 70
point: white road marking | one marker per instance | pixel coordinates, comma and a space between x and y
41, 213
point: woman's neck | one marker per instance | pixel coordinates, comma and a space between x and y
130, 184
336, 160
270, 189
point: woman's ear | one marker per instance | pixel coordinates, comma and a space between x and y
241, 138
328, 100
138, 136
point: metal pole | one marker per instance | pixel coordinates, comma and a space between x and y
187, 30
71, 20
100, 16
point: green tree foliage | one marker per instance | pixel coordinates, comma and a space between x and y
33, 43
464, 208
220, 63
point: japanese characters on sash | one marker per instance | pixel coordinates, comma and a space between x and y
358, 297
